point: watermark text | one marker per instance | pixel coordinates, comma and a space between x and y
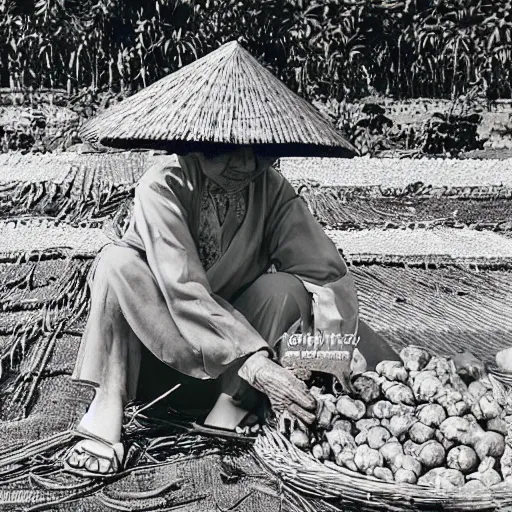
316, 341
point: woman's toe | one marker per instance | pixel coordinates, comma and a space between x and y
77, 457
81, 459
104, 466
92, 464
73, 460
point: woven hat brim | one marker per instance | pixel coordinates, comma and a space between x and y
271, 150
226, 97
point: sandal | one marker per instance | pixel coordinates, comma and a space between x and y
94, 462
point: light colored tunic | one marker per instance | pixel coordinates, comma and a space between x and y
204, 333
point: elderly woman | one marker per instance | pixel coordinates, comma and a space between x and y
189, 283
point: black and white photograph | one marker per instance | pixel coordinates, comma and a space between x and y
255, 255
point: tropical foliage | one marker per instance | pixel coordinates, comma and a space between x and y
322, 48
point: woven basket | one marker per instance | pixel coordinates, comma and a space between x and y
341, 489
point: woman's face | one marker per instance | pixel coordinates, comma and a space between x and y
234, 170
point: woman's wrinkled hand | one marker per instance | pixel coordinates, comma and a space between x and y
284, 390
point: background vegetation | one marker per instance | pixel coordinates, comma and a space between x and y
323, 49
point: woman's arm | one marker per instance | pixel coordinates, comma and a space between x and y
299, 246
159, 225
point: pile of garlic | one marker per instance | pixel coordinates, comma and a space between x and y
413, 421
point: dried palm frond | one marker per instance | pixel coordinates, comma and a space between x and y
33, 341
333, 209
83, 191
456, 308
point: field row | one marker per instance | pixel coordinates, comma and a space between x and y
40, 236
86, 204
86, 190
118, 167
398, 173
440, 244
414, 212
356, 172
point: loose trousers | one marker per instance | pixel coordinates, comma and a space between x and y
110, 347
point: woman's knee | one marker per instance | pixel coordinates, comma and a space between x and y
280, 285
278, 291
273, 303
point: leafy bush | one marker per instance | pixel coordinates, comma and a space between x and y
37, 130
372, 132
450, 134
323, 49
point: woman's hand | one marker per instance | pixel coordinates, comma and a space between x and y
284, 390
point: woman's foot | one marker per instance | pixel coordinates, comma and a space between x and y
100, 451
104, 418
93, 456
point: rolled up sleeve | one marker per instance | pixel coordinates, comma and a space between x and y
298, 245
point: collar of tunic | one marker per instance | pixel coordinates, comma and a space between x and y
220, 217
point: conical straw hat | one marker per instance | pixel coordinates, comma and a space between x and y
225, 98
